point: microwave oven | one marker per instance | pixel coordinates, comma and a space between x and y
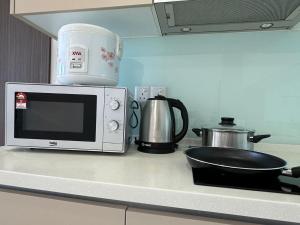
83, 118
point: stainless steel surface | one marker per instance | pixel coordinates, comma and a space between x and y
228, 135
229, 129
156, 122
198, 16
157, 128
227, 139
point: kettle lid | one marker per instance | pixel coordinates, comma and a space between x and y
158, 97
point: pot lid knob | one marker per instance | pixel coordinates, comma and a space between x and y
227, 121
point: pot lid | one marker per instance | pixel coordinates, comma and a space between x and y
227, 125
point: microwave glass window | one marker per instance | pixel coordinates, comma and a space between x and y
57, 117
54, 116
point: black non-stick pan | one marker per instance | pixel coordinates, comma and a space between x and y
236, 161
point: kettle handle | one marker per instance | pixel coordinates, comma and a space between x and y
175, 103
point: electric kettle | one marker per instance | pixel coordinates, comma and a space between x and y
157, 128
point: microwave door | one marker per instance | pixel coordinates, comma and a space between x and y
62, 117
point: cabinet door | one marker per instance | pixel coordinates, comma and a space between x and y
149, 217
24, 55
38, 6
18, 208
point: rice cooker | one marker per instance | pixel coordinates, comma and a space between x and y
88, 54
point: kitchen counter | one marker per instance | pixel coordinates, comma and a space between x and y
158, 180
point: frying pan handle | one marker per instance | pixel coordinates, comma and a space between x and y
294, 172
258, 138
197, 131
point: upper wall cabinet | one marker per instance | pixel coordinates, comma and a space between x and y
128, 18
144, 18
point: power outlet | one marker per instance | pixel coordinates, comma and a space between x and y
155, 90
141, 93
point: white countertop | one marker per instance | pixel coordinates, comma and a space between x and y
159, 180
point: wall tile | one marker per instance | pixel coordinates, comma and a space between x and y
252, 76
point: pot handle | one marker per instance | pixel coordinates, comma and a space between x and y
258, 138
197, 131
294, 172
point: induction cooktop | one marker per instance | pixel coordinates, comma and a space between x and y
281, 184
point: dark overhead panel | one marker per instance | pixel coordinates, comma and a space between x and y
200, 16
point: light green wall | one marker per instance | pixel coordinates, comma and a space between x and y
252, 76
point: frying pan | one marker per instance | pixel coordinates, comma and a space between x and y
237, 161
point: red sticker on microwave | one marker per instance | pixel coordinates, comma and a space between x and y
21, 100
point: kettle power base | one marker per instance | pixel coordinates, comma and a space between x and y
156, 148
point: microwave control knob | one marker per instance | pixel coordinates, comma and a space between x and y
114, 105
113, 125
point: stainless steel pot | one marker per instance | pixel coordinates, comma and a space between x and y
228, 135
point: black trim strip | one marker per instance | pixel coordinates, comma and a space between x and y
89, 120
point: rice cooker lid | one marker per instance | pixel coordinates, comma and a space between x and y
227, 125
83, 27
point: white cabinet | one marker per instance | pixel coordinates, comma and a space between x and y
128, 18
22, 208
38, 6
136, 216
